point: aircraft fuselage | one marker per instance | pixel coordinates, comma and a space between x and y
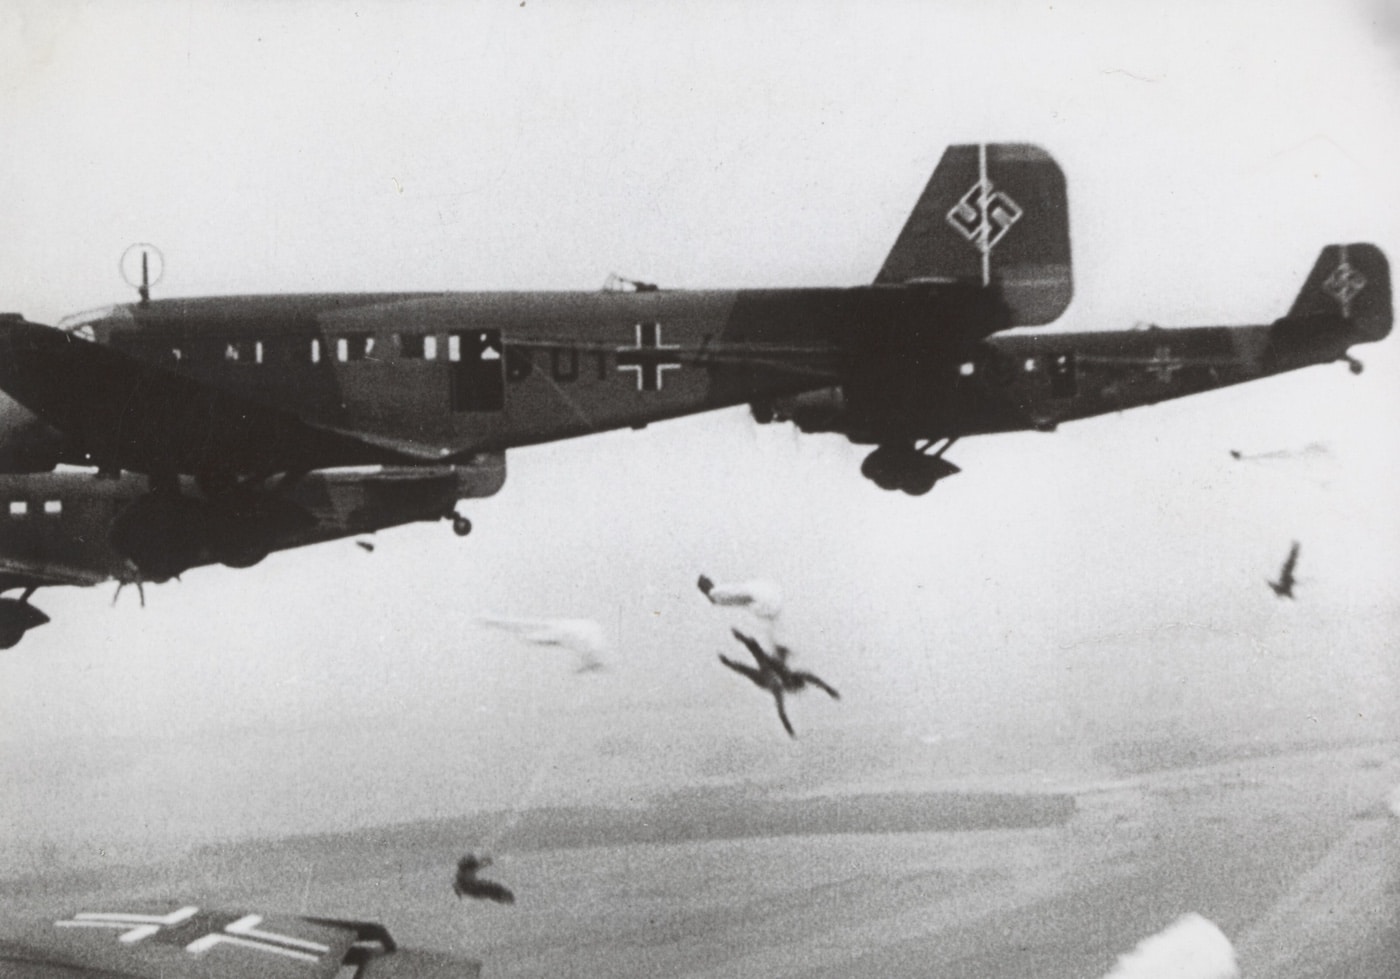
479, 372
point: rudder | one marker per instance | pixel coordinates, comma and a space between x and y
995, 215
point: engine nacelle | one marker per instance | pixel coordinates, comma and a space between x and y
27, 445
826, 410
483, 476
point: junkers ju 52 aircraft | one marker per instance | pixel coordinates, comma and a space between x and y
224, 408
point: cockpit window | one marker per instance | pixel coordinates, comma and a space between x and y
81, 325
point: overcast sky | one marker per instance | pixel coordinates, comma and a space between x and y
1103, 582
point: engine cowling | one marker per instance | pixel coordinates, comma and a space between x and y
27, 445
812, 412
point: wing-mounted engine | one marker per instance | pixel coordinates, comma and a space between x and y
27, 445
912, 466
911, 383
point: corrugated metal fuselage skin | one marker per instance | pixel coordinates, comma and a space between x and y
573, 363
1038, 381
488, 371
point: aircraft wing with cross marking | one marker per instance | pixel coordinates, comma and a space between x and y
191, 942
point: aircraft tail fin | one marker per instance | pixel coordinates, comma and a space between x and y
994, 215
1353, 281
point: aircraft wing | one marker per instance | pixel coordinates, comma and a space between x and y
23, 574
120, 412
190, 942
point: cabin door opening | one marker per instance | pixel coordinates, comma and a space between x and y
476, 361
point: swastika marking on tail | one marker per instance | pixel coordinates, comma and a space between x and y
983, 215
1343, 285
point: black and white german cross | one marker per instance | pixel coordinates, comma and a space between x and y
647, 357
199, 931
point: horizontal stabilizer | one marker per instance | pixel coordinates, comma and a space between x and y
995, 215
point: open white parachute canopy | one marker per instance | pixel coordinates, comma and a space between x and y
761, 597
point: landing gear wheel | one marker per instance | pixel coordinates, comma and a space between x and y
911, 469
919, 480
461, 526
242, 557
883, 468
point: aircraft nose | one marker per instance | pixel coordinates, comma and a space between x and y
21, 339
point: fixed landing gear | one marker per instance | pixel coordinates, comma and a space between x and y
461, 526
911, 469
1353, 365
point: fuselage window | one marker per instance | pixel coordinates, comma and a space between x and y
243, 352
316, 350
564, 362
454, 348
967, 369
1063, 380
53, 508
430, 347
1030, 364
354, 346
18, 508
